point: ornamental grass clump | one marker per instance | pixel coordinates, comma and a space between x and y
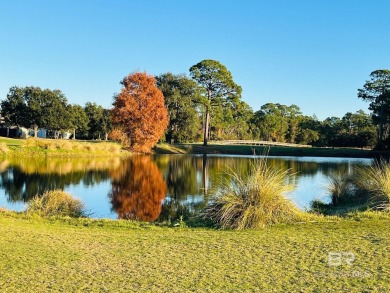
65, 145
255, 200
375, 181
56, 203
340, 187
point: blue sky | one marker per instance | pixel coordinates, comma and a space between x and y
314, 54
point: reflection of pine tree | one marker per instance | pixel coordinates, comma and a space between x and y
181, 177
186, 178
138, 189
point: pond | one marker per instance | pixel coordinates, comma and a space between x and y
155, 188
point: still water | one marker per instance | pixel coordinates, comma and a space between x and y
154, 188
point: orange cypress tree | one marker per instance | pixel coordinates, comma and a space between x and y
140, 112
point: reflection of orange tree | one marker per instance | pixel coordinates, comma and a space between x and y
138, 189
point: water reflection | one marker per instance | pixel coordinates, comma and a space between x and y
22, 179
138, 189
150, 188
192, 180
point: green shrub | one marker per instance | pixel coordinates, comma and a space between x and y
254, 201
375, 181
56, 203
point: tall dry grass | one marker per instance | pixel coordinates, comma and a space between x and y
254, 201
56, 203
375, 181
340, 187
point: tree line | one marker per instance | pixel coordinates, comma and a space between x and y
33, 107
204, 105
208, 104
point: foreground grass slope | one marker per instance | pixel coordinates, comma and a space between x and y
117, 256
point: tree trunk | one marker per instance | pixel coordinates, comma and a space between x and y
381, 125
74, 133
206, 127
35, 131
205, 175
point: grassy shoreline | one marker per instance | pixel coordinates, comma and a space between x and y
120, 256
68, 148
273, 151
59, 148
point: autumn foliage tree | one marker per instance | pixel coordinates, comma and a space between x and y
139, 111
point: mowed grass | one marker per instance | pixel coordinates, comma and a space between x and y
11, 141
84, 255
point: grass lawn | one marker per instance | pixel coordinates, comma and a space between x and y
11, 141
40, 255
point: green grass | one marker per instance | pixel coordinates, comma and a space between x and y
11, 141
84, 255
273, 151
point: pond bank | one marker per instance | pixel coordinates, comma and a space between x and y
273, 151
33, 147
70, 148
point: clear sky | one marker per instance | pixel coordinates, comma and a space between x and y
312, 53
